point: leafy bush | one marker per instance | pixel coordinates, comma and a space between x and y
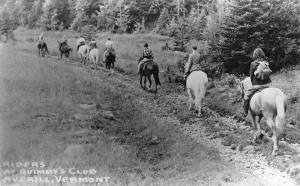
229, 80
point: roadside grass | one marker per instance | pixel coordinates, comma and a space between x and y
41, 98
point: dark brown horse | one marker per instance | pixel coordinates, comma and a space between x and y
64, 49
146, 70
42, 49
110, 59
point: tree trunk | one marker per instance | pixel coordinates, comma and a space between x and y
178, 8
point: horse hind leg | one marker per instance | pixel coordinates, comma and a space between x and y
199, 96
145, 82
141, 81
271, 124
112, 68
191, 100
198, 104
255, 125
150, 82
156, 79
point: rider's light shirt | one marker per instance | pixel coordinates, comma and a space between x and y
108, 45
80, 40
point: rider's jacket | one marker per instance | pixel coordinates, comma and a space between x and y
194, 62
108, 45
254, 79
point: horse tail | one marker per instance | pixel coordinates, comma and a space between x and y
46, 48
156, 75
280, 118
203, 87
96, 59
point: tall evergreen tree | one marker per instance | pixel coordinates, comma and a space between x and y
253, 23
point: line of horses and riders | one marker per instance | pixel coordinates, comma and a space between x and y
260, 99
88, 53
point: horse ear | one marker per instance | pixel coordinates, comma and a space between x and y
58, 41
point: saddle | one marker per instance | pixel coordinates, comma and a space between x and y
143, 63
110, 52
144, 60
41, 44
256, 89
62, 44
80, 44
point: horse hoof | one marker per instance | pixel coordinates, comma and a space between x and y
275, 152
258, 135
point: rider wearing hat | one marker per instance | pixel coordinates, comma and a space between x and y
109, 44
93, 44
109, 49
80, 41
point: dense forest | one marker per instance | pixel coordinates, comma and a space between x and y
227, 30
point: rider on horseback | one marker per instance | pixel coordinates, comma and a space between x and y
258, 83
80, 41
146, 56
93, 44
109, 44
41, 38
41, 43
193, 64
109, 49
63, 41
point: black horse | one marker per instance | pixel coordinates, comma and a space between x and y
42, 49
110, 59
64, 49
146, 70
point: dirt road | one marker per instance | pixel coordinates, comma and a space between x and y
222, 161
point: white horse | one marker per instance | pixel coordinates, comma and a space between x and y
270, 103
83, 53
196, 85
94, 56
